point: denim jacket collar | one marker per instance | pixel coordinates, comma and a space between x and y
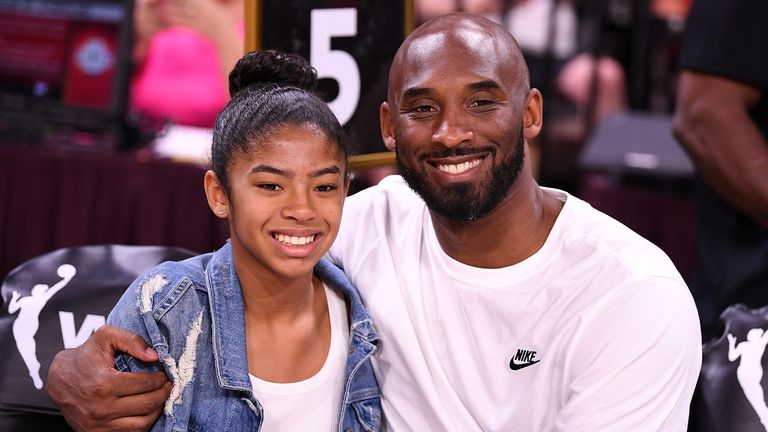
228, 317
227, 321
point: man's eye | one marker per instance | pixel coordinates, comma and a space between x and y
419, 109
270, 187
481, 102
423, 108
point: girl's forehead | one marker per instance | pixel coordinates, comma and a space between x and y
294, 145
289, 138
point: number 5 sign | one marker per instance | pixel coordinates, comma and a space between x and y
349, 42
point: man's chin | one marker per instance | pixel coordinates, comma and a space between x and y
456, 202
453, 202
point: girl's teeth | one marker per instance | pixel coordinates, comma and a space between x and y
294, 240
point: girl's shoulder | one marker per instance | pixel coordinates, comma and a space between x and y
160, 287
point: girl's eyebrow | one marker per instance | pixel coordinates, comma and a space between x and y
270, 169
333, 169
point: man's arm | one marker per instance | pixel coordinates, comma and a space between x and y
712, 122
94, 396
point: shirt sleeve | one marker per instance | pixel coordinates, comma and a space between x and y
726, 38
355, 225
635, 363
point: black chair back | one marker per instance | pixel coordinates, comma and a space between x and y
733, 383
56, 301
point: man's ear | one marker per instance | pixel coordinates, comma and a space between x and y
387, 129
216, 195
533, 114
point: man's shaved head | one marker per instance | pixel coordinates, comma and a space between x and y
472, 35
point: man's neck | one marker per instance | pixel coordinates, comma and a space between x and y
509, 234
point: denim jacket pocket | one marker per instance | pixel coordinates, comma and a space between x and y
368, 412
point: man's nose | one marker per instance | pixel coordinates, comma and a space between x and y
453, 130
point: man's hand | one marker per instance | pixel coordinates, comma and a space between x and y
94, 396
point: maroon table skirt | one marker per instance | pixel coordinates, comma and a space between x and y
53, 199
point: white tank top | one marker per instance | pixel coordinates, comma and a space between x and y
314, 403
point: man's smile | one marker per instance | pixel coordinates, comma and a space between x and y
459, 168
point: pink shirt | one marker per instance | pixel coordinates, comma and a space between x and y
180, 79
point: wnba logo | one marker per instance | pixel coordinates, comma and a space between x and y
27, 322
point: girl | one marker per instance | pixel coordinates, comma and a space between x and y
263, 334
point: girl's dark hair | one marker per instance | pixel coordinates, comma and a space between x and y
269, 89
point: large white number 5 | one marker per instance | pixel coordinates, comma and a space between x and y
336, 64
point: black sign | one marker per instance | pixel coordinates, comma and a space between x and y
351, 43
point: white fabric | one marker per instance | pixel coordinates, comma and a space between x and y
312, 404
529, 22
611, 322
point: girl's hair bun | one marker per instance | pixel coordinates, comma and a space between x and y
259, 68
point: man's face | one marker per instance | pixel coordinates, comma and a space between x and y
457, 122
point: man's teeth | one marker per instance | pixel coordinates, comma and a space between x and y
293, 240
459, 168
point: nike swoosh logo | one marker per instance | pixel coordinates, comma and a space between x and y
516, 366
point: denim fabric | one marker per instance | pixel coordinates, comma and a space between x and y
191, 312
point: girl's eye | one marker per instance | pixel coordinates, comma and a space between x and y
270, 187
326, 188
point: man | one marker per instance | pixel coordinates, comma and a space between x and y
722, 122
501, 305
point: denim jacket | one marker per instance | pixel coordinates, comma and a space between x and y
191, 312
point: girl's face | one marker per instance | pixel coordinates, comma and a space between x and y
286, 199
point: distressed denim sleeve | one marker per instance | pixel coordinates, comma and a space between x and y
128, 315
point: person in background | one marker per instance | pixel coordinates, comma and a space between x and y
183, 52
721, 120
559, 47
501, 305
548, 33
541, 31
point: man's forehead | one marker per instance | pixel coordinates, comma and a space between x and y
463, 55
471, 39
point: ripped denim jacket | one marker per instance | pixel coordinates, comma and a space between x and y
191, 313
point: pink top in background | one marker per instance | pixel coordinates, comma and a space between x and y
180, 79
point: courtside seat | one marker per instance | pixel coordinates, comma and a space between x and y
56, 301
732, 383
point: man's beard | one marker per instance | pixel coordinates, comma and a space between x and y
466, 202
